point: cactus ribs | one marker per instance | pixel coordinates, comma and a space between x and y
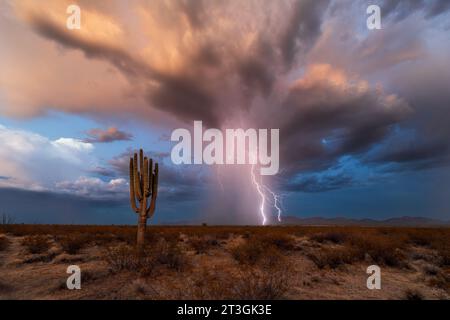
144, 190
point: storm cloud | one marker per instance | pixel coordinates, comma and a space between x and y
310, 68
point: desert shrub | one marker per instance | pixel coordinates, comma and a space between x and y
169, 254
251, 283
222, 235
4, 243
272, 259
124, 257
248, 253
333, 237
36, 244
440, 280
72, 244
202, 244
280, 240
171, 237
5, 287
431, 270
413, 294
420, 239
443, 252
332, 258
382, 250
266, 285
43, 257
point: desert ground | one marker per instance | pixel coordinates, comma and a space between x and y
209, 262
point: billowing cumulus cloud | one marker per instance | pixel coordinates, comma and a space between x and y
94, 187
32, 161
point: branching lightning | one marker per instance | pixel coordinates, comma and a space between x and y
261, 193
259, 187
275, 202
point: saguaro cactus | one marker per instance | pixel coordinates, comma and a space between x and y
143, 185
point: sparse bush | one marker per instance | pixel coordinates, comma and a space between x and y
333, 237
248, 253
272, 259
280, 240
203, 244
444, 255
413, 294
36, 244
5, 287
332, 258
169, 254
431, 270
382, 250
124, 257
72, 244
266, 285
250, 284
4, 243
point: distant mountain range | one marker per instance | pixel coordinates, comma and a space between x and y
340, 221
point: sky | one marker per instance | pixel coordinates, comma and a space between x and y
362, 114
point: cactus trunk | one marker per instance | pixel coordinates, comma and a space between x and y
143, 190
142, 225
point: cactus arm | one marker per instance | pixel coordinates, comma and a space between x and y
137, 180
132, 193
141, 164
145, 177
151, 209
150, 176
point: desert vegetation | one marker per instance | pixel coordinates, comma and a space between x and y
223, 262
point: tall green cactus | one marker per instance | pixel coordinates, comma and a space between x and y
143, 185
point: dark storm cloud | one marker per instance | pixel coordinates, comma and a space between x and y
323, 122
194, 92
303, 28
183, 95
50, 207
320, 121
194, 11
109, 135
412, 153
422, 141
317, 183
92, 49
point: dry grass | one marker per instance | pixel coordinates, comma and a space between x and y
251, 283
333, 258
163, 253
413, 294
221, 262
248, 253
36, 244
332, 237
203, 244
4, 243
380, 246
72, 244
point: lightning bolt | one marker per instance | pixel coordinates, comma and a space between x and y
261, 194
275, 202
